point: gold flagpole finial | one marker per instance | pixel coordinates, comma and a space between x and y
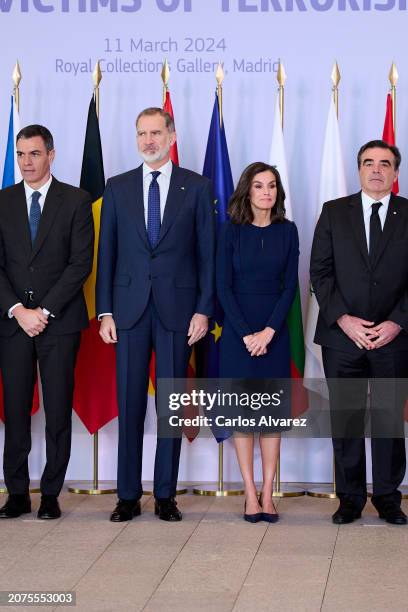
335, 77
16, 76
219, 77
165, 75
281, 75
393, 78
97, 78
393, 75
97, 75
281, 78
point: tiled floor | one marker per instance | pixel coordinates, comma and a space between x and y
212, 560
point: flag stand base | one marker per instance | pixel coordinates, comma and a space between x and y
324, 492
148, 488
215, 490
92, 488
288, 490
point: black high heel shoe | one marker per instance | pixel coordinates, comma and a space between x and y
252, 518
268, 517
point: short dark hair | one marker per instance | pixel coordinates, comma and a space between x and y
239, 206
380, 144
156, 110
31, 131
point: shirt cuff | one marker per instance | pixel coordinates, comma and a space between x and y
10, 310
104, 314
47, 313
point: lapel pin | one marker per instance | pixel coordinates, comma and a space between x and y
183, 188
395, 212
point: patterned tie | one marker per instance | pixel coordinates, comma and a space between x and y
35, 214
375, 230
153, 210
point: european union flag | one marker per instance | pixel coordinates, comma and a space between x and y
8, 173
218, 169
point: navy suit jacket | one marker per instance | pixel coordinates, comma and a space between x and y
179, 271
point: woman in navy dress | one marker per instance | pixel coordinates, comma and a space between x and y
257, 277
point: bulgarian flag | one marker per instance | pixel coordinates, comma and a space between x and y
277, 158
95, 375
389, 133
11, 176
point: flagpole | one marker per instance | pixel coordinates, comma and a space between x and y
393, 78
322, 492
287, 490
220, 489
16, 76
95, 488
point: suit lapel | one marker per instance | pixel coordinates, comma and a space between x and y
392, 220
135, 199
356, 218
52, 205
175, 200
21, 219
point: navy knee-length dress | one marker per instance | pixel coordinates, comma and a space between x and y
257, 277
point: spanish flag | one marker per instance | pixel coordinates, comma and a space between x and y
95, 375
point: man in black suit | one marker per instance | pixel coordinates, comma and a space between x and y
46, 252
359, 273
154, 290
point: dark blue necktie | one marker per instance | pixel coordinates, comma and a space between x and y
153, 210
35, 214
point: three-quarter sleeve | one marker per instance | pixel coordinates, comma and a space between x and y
224, 277
289, 281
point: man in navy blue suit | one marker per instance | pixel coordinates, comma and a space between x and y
154, 290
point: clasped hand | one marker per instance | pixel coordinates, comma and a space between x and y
257, 343
367, 335
32, 321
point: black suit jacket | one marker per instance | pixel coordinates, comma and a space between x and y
179, 271
56, 266
343, 279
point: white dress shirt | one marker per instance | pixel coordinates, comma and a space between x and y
29, 194
367, 210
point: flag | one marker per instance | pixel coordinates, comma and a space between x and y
332, 185
294, 321
218, 169
388, 132
11, 176
167, 106
11, 173
95, 374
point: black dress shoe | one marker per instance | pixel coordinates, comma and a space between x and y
346, 513
49, 508
15, 506
166, 509
391, 512
125, 510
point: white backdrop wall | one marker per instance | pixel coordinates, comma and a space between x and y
57, 43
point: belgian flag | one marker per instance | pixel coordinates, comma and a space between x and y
95, 375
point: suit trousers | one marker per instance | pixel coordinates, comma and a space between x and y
386, 372
56, 356
133, 353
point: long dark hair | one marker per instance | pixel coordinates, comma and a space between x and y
239, 206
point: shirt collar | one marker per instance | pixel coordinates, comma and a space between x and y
165, 169
43, 189
368, 201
